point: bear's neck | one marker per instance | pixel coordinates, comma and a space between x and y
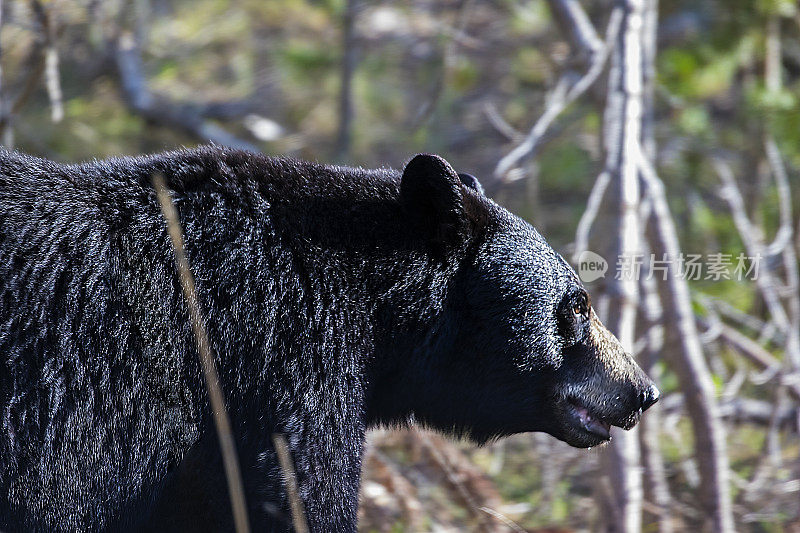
351, 265
373, 267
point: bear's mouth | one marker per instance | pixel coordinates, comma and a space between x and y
589, 420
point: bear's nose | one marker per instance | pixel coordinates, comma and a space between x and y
648, 397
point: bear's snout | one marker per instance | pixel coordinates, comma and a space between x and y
603, 387
648, 397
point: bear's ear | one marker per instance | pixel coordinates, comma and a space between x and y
471, 181
431, 193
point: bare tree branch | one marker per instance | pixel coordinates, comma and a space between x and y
159, 109
590, 213
6, 133
500, 124
759, 412
623, 123
36, 69
748, 347
772, 57
783, 243
576, 24
347, 69
740, 318
657, 486
52, 76
753, 352
455, 37
649, 49
467, 483
565, 92
691, 367
753, 241
384, 471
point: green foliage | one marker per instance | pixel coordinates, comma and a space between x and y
764, 101
564, 168
528, 17
464, 75
702, 70
306, 59
783, 8
694, 120
530, 66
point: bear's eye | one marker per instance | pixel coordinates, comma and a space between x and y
573, 315
581, 305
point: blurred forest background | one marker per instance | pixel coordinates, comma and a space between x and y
619, 126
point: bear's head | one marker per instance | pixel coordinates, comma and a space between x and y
520, 347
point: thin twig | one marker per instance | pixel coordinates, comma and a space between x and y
772, 56
768, 365
698, 387
753, 242
459, 488
500, 124
290, 479
385, 472
783, 237
455, 39
348, 66
573, 19
52, 76
740, 318
590, 213
655, 472
53, 83
737, 409
6, 136
769, 462
503, 518
35, 72
783, 244
160, 109
215, 396
562, 96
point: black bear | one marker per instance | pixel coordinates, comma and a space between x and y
336, 299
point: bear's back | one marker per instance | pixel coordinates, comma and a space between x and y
92, 322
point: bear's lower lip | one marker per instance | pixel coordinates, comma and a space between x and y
591, 422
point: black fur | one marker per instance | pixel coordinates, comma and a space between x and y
471, 181
335, 298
